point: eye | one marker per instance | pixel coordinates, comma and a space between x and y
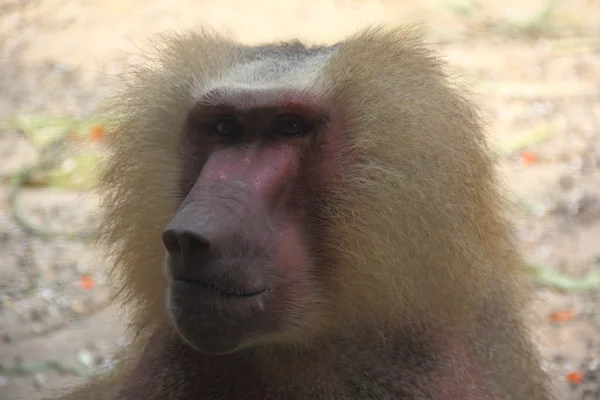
228, 128
291, 125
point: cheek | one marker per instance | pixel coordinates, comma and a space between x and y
291, 249
294, 267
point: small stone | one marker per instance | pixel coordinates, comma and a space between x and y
62, 301
36, 315
3, 381
568, 366
566, 181
82, 268
39, 380
86, 358
53, 310
47, 294
78, 306
20, 308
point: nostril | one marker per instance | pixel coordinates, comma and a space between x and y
195, 244
184, 243
171, 243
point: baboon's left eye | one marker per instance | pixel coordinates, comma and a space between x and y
291, 125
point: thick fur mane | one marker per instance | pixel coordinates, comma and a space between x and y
412, 203
412, 258
149, 112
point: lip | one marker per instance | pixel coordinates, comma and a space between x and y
219, 289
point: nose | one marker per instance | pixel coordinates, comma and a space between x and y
192, 235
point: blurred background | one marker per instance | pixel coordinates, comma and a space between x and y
534, 67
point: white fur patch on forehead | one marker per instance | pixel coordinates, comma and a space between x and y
271, 71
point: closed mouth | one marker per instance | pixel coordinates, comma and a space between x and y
226, 291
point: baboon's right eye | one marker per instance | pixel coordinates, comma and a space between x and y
228, 128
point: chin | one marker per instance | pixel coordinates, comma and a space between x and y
216, 323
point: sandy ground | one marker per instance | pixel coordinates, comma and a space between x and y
59, 57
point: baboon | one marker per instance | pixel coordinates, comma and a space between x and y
295, 222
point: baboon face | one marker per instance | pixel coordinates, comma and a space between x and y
241, 249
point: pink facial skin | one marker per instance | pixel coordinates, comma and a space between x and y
240, 258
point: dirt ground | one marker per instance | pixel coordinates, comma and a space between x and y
535, 69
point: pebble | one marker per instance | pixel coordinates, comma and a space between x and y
47, 294
85, 358
82, 268
53, 310
35, 315
39, 380
79, 306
